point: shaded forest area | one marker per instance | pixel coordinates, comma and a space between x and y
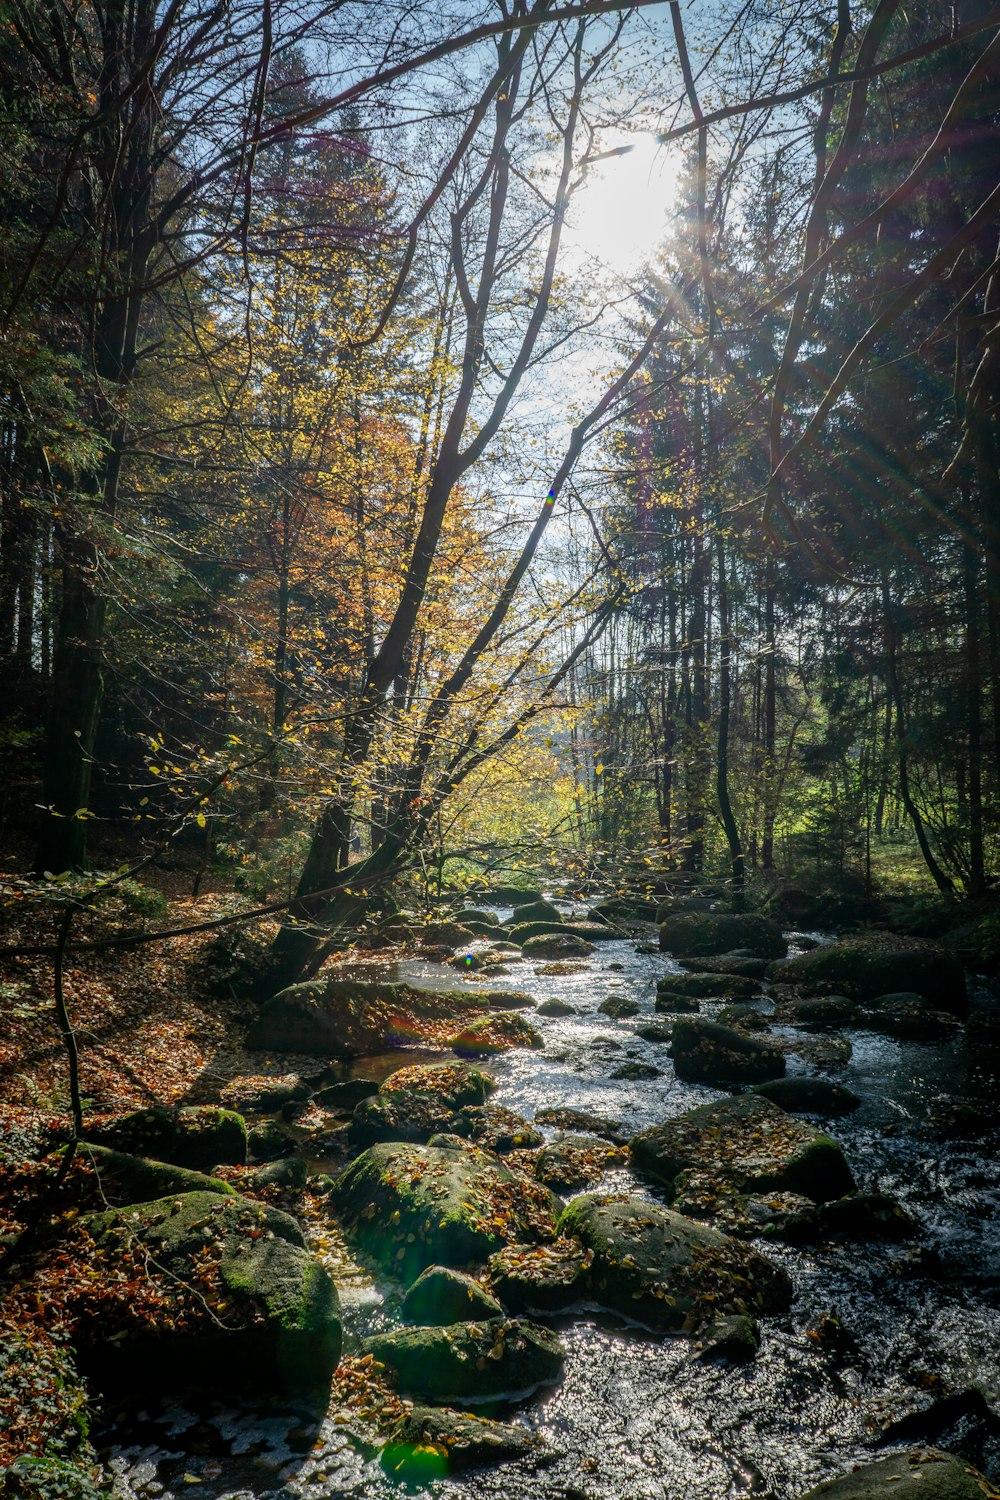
279, 590
376, 555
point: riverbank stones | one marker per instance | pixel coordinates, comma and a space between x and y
470, 1362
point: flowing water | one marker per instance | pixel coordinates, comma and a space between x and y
635, 1415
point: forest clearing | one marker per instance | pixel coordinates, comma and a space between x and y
499, 840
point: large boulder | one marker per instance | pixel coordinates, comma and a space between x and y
409, 1207
667, 1272
748, 1144
538, 911
470, 1362
699, 934
572, 1161
218, 1289
910, 1017
705, 1052
329, 1018
457, 1083
440, 1296
555, 945
740, 964
402, 1115
541, 1278
199, 1137
498, 1032
865, 967
125, 1179
708, 986
921, 1474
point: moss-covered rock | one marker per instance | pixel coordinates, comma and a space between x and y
199, 1137
410, 1207
440, 1296
741, 965
348, 1018
861, 1216
542, 1278
556, 1008
263, 1309
674, 1003
736, 1338
708, 986
877, 964
705, 1052
910, 1017
269, 1141
456, 1083
921, 1474
572, 1161
497, 1129
818, 1012
809, 1096
619, 1007
691, 934
402, 1115
665, 1271
128, 1179
470, 1362
745, 1015
494, 1033
431, 1442
750, 1145
564, 1117
555, 945
538, 911
470, 914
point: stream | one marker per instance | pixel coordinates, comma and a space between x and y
635, 1415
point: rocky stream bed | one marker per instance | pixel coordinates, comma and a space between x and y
887, 1343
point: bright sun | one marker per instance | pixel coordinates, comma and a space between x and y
619, 211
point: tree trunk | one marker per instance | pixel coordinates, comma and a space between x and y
722, 764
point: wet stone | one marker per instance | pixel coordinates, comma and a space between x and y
430, 1443
457, 1083
708, 986
705, 1052
809, 1096
498, 1129
748, 1144
410, 1206
634, 1071
922, 1474
572, 1161
736, 1338
495, 1033
667, 1272
565, 1118
619, 1006
470, 1361
672, 1003
556, 1008
440, 1296
656, 1031
540, 1278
